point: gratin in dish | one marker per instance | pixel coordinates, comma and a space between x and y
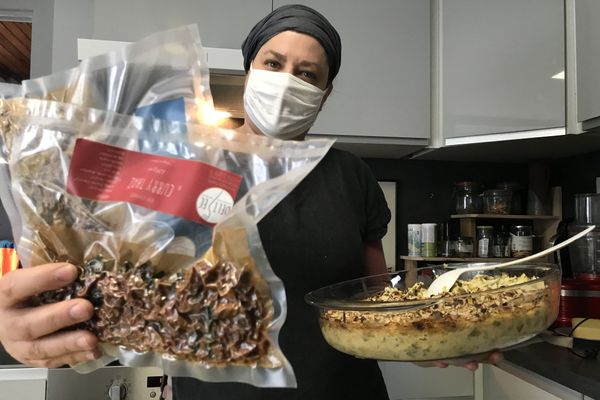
481, 313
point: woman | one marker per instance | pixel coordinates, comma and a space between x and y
328, 229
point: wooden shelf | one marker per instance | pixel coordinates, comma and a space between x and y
507, 216
456, 259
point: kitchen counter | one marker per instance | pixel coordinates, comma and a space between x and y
559, 365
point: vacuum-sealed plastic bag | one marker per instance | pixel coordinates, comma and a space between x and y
164, 75
168, 246
10, 90
7, 91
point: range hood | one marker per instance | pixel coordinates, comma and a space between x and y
226, 67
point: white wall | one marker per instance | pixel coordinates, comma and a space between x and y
72, 19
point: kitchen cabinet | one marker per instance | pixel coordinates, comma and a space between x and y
587, 32
498, 64
222, 23
509, 382
408, 381
381, 94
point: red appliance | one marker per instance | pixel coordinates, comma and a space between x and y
579, 298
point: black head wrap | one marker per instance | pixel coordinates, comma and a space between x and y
298, 18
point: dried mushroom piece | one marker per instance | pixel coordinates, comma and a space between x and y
209, 313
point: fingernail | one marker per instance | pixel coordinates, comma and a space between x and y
83, 343
66, 273
80, 312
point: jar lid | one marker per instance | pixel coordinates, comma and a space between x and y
508, 185
468, 184
521, 226
497, 192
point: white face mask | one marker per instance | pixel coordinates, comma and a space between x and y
281, 105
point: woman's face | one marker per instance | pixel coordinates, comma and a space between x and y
297, 54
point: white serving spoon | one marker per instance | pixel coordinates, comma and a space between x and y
445, 281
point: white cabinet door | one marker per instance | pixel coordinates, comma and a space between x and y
501, 385
498, 62
382, 89
587, 15
408, 381
223, 23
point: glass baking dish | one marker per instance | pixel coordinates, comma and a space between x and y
446, 327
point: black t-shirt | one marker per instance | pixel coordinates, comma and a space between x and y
314, 238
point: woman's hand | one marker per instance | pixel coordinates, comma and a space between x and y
492, 358
30, 334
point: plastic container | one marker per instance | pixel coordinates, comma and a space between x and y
485, 234
414, 240
587, 208
428, 240
521, 241
450, 327
585, 252
497, 201
467, 197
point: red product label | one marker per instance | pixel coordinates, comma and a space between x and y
188, 189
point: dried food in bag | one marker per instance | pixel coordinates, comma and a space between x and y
167, 245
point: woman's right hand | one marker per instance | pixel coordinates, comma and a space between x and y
30, 334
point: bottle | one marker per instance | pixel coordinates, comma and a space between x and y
428, 240
465, 246
501, 243
484, 240
447, 242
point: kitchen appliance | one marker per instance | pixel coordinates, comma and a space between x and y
113, 382
580, 263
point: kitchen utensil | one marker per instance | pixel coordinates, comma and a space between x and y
445, 281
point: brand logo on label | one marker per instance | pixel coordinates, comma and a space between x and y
213, 204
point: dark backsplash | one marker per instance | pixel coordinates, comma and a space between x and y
575, 175
424, 188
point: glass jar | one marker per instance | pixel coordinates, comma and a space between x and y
447, 247
521, 240
465, 246
516, 203
484, 240
467, 197
497, 201
501, 243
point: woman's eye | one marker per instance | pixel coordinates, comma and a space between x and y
272, 64
308, 75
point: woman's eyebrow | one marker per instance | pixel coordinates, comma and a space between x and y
306, 63
277, 55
